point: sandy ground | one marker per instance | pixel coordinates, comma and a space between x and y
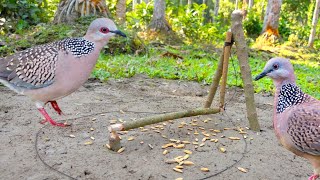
90, 110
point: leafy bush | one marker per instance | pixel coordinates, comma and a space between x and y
19, 14
141, 17
252, 25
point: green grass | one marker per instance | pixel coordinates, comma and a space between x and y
199, 65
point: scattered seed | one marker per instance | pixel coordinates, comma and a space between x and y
92, 138
223, 136
251, 138
157, 131
164, 124
196, 139
164, 136
168, 145
72, 136
170, 161
144, 130
179, 167
88, 143
223, 150
173, 140
188, 163
180, 146
121, 150
242, 169
185, 142
190, 129
234, 138
195, 143
187, 151
214, 140
245, 136
196, 147
204, 169
178, 170
242, 132
207, 135
93, 119
202, 144
47, 139
150, 146
180, 178
205, 121
102, 114
92, 129
227, 128
165, 152
113, 121
108, 146
204, 139
185, 157
216, 131
180, 126
201, 128
141, 142
194, 124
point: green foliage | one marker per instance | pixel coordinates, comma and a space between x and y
252, 24
20, 14
199, 65
141, 17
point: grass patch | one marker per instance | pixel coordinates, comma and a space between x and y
199, 65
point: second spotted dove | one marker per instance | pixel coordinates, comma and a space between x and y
52, 71
296, 117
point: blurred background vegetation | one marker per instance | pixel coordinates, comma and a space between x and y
187, 48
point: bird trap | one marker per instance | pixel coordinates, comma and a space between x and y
235, 35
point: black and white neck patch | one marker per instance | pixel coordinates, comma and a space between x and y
78, 46
289, 95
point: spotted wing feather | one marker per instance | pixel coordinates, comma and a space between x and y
33, 68
304, 127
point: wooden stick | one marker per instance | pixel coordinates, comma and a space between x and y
114, 140
242, 53
226, 56
169, 116
215, 82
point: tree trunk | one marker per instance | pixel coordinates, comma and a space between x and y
70, 10
250, 4
134, 3
159, 22
189, 5
314, 23
121, 11
236, 5
216, 10
271, 20
180, 2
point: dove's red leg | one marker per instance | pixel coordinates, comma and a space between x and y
48, 118
56, 107
313, 177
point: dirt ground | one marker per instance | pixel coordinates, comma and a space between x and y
90, 110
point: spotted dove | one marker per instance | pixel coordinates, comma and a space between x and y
52, 71
296, 117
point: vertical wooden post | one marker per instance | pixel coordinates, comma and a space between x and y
217, 76
215, 83
226, 55
242, 53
